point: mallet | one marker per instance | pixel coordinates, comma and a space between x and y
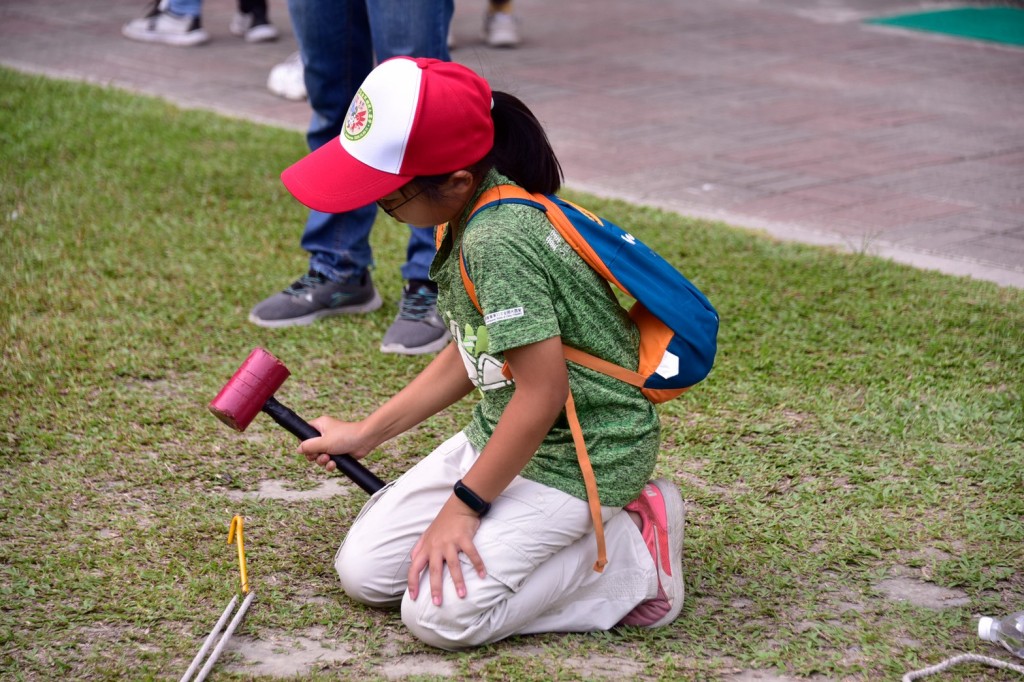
252, 389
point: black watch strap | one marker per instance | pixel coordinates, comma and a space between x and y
471, 499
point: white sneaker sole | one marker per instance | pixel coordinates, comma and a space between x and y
432, 347
189, 39
263, 33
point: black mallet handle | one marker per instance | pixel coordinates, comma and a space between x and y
299, 427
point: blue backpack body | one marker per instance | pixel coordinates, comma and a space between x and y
678, 325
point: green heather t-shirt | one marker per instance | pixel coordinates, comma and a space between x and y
533, 286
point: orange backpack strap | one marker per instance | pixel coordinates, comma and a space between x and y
589, 480
490, 196
569, 233
603, 366
553, 213
439, 232
470, 289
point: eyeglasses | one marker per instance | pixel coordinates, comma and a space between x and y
391, 211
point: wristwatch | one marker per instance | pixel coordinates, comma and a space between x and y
471, 499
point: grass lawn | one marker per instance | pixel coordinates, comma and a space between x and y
853, 467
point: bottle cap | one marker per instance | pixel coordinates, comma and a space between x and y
985, 628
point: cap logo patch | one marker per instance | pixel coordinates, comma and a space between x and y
360, 117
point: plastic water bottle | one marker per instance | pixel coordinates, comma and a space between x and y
1009, 632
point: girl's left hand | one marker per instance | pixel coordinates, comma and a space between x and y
451, 532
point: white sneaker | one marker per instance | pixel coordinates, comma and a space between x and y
501, 29
287, 78
164, 27
242, 25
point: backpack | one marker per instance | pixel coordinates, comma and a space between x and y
678, 325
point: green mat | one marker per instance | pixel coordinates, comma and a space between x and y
996, 24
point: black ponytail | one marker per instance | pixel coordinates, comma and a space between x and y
521, 152
521, 147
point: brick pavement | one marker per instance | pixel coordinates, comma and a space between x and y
788, 116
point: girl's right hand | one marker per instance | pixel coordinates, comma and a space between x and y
336, 438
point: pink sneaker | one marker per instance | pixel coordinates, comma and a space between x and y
661, 507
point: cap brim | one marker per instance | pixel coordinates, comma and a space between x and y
330, 180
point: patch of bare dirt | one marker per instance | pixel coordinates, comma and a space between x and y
418, 664
284, 656
279, 490
763, 676
921, 593
604, 668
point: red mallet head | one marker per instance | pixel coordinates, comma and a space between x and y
252, 385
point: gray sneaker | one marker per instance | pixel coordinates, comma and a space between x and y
313, 296
418, 328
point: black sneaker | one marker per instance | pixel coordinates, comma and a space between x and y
418, 328
313, 296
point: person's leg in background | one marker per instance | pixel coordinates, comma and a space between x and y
338, 41
410, 28
337, 54
419, 29
252, 22
501, 28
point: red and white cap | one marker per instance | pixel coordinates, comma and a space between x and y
411, 117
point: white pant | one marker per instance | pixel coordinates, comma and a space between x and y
537, 544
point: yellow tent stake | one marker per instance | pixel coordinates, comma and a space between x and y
221, 638
235, 533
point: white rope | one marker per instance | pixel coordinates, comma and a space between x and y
963, 658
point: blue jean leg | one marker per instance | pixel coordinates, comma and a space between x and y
186, 8
410, 28
337, 39
419, 253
